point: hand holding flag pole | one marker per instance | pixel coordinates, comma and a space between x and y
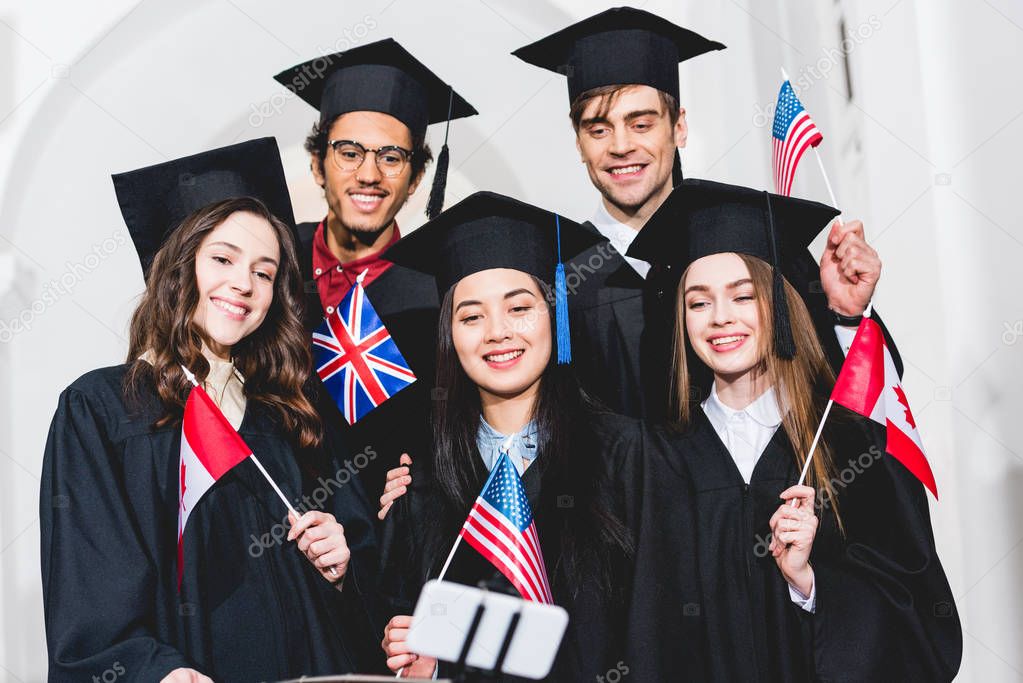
252, 456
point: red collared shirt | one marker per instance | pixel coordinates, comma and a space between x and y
334, 279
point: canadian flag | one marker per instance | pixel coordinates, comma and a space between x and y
869, 385
210, 446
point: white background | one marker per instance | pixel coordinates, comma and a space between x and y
925, 152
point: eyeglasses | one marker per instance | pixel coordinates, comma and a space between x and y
349, 155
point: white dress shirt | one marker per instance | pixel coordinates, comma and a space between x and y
620, 236
746, 434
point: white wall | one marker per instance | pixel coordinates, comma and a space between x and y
924, 154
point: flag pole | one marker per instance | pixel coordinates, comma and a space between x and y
820, 428
451, 555
259, 465
813, 446
827, 183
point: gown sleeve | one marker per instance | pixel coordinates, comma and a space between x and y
100, 580
886, 610
404, 568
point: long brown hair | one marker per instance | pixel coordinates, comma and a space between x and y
274, 359
802, 383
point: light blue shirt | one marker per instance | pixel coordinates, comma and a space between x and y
522, 450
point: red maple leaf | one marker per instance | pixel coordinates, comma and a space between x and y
901, 395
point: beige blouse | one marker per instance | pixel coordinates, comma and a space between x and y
224, 384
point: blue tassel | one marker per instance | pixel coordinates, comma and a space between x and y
561, 314
564, 335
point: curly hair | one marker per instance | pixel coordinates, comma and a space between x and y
274, 359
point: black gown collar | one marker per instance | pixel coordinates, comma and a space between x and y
714, 467
621, 274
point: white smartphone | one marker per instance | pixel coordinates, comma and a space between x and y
444, 615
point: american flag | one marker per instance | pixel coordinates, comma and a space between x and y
793, 133
355, 357
501, 527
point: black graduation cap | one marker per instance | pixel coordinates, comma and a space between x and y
155, 200
488, 230
702, 217
621, 46
383, 77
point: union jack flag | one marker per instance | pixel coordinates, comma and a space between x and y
355, 357
501, 527
793, 133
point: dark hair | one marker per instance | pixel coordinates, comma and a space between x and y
608, 94
316, 145
274, 359
591, 536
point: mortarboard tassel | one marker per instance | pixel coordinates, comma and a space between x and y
440, 176
784, 344
676, 169
564, 335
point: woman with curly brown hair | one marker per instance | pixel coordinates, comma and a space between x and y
250, 599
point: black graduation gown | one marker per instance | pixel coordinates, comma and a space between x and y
250, 607
417, 543
621, 330
884, 610
623, 327
406, 301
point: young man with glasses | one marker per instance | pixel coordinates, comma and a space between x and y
368, 152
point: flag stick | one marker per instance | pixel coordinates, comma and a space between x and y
259, 465
820, 428
451, 555
813, 446
827, 183
273, 484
